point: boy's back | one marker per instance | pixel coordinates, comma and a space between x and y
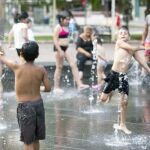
28, 80
28, 76
30, 109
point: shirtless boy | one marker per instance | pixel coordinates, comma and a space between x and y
117, 78
30, 110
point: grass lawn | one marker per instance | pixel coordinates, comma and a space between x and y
45, 38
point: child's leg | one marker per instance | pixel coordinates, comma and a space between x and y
100, 78
143, 71
105, 97
100, 74
33, 146
29, 146
37, 145
123, 109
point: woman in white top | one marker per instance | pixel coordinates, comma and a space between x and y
30, 32
19, 32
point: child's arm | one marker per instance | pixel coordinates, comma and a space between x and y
84, 52
46, 84
124, 45
8, 62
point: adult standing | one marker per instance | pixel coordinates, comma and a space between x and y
20, 33
84, 48
61, 43
30, 31
146, 37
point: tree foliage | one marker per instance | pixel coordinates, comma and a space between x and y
147, 11
96, 4
25, 4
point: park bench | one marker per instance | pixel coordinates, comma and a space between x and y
102, 32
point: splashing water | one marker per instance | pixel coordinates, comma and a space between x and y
94, 51
2, 126
117, 142
115, 126
66, 79
3, 75
128, 141
135, 78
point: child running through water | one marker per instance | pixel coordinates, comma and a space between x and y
117, 78
30, 109
101, 65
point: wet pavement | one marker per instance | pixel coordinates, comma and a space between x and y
73, 122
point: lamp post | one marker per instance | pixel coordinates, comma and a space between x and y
113, 20
54, 14
84, 4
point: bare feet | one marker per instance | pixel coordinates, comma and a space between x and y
58, 91
102, 101
122, 128
96, 87
108, 100
83, 86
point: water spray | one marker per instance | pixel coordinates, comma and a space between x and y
116, 125
94, 52
94, 62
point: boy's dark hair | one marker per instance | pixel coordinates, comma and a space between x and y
23, 15
125, 28
62, 15
30, 51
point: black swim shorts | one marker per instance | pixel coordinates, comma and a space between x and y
31, 120
64, 48
115, 80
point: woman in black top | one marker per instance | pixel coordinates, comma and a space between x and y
84, 48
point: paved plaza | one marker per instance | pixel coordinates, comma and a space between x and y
46, 53
73, 121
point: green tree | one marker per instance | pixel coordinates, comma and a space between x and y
96, 4
127, 11
25, 4
147, 11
